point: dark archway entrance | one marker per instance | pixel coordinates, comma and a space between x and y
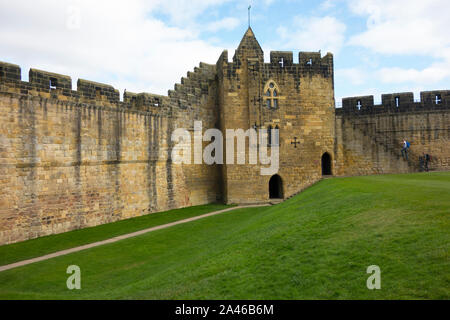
326, 164
276, 187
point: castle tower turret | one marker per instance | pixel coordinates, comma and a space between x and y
248, 48
297, 99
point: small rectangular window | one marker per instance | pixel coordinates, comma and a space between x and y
397, 101
53, 83
438, 99
269, 104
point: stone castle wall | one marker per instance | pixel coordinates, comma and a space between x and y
369, 137
72, 159
305, 113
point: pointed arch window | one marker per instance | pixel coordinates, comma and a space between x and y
269, 136
276, 136
273, 136
271, 95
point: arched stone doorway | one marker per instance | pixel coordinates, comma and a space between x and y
276, 187
326, 164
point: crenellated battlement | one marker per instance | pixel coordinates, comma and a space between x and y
193, 87
144, 101
58, 86
250, 53
10, 72
55, 85
50, 80
309, 63
96, 91
284, 57
396, 102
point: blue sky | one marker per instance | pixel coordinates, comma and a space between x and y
379, 46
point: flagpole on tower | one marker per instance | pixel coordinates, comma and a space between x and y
249, 7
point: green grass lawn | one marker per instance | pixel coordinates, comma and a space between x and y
45, 245
316, 245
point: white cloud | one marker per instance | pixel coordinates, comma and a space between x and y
431, 75
354, 75
184, 12
327, 4
407, 27
313, 34
403, 26
228, 23
119, 43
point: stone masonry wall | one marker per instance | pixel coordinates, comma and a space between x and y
73, 159
304, 114
369, 139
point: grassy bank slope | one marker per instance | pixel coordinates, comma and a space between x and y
45, 245
315, 245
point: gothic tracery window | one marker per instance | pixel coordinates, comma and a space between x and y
271, 95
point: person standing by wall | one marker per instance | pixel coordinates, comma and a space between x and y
405, 149
427, 159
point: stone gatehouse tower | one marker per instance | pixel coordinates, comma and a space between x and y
71, 159
297, 99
